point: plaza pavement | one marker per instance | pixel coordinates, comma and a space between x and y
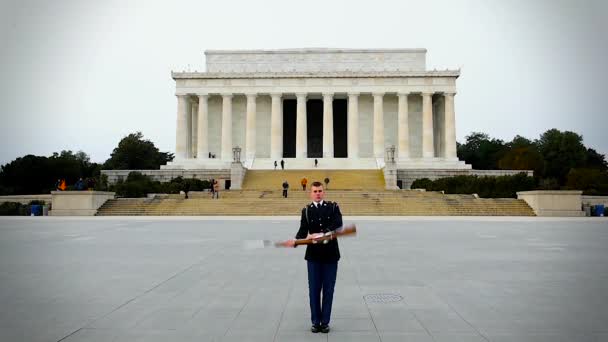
400, 279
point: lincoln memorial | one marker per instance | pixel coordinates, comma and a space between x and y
348, 108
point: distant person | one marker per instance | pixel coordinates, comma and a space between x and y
282, 164
285, 187
326, 180
91, 183
186, 188
316, 162
79, 185
58, 185
216, 189
303, 182
275, 164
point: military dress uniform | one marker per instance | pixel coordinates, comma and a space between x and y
322, 258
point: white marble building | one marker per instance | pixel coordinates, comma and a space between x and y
344, 107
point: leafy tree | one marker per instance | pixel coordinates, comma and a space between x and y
26, 175
596, 160
590, 181
135, 153
37, 174
481, 152
561, 151
522, 154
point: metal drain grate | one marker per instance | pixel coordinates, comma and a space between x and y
382, 298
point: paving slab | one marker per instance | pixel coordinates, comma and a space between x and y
400, 279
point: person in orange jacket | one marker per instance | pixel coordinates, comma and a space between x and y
62, 187
304, 181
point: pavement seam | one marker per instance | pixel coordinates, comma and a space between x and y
459, 315
274, 338
134, 298
237, 315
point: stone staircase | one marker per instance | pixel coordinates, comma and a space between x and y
352, 202
338, 179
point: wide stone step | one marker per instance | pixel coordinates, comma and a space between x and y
351, 203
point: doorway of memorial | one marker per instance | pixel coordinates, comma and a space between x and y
340, 128
289, 128
314, 128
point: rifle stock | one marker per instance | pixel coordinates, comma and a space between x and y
345, 231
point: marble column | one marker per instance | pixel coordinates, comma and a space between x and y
194, 142
378, 125
301, 132
250, 132
276, 128
428, 149
202, 147
328, 125
181, 134
188, 128
450, 127
403, 128
353, 125
226, 127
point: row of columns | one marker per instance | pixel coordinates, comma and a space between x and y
192, 130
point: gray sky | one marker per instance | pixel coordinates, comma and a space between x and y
82, 74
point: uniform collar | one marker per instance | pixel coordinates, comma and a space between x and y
314, 204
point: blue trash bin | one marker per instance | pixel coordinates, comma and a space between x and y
36, 209
599, 210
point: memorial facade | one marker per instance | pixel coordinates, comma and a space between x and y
344, 107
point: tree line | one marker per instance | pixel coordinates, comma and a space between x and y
32, 174
559, 159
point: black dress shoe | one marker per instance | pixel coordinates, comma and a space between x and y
324, 328
315, 328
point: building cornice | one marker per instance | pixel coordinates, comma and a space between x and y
343, 74
313, 50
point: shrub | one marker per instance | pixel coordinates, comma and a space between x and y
486, 186
13, 209
139, 185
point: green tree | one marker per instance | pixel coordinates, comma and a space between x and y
590, 181
561, 151
135, 153
32, 174
481, 152
522, 154
596, 160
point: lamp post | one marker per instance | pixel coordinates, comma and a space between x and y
236, 154
390, 154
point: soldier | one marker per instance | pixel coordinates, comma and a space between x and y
318, 218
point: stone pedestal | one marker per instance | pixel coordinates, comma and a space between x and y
554, 202
78, 203
237, 175
390, 176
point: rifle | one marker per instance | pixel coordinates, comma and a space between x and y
348, 230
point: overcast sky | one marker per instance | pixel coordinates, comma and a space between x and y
81, 75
